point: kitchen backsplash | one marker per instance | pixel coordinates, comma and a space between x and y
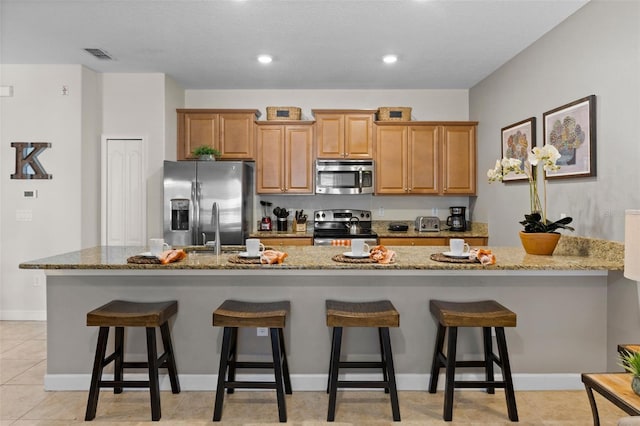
382, 207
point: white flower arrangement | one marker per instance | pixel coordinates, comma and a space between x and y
547, 156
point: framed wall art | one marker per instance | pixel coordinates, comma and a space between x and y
571, 128
517, 141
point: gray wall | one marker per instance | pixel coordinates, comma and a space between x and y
595, 51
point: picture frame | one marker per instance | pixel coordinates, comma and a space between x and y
517, 141
571, 128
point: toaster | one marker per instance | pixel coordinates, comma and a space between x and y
427, 223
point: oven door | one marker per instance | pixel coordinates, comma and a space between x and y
339, 241
344, 177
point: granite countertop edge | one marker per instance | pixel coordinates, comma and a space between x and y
572, 253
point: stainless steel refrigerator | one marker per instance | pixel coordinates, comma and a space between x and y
190, 190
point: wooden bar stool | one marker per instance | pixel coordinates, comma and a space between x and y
381, 314
120, 314
233, 314
485, 314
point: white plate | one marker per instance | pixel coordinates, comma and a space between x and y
245, 255
146, 254
457, 256
355, 256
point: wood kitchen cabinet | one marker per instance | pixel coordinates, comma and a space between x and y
230, 131
400, 241
284, 162
458, 166
426, 158
407, 159
286, 241
344, 133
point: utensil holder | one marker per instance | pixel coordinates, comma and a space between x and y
281, 224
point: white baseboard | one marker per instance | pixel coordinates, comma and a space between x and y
23, 315
318, 382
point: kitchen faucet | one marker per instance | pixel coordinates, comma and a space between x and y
215, 221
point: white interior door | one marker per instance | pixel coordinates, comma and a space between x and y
124, 197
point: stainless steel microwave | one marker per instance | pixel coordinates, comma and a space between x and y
344, 177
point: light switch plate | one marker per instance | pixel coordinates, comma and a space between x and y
24, 215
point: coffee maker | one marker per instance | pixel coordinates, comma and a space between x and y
456, 221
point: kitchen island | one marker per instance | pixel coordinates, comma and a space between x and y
561, 302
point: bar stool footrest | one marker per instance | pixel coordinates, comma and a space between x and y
362, 384
252, 364
360, 364
124, 384
478, 384
250, 385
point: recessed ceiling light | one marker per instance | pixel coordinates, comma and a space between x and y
265, 59
390, 59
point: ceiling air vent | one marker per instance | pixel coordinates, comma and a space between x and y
99, 53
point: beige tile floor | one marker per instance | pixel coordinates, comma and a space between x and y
24, 402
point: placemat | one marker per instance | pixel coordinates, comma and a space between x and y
243, 260
140, 259
439, 257
344, 259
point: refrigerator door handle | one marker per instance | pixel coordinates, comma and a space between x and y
195, 196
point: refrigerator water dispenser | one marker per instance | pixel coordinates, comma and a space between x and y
180, 214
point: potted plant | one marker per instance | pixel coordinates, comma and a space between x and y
630, 361
539, 235
206, 153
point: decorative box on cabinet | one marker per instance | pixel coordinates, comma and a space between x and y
230, 131
284, 162
344, 133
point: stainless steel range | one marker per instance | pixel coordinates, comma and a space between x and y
342, 224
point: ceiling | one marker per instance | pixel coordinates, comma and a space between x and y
315, 44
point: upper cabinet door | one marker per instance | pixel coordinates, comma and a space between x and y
391, 160
199, 129
299, 159
422, 150
270, 159
330, 135
459, 159
358, 139
236, 136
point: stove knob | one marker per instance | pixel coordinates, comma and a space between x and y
367, 215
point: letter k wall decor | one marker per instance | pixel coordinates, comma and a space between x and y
27, 164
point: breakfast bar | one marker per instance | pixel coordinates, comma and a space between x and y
560, 300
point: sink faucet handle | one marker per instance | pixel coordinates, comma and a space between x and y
215, 221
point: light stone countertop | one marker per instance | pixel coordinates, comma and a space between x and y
381, 227
572, 253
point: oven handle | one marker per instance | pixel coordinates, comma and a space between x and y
328, 241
